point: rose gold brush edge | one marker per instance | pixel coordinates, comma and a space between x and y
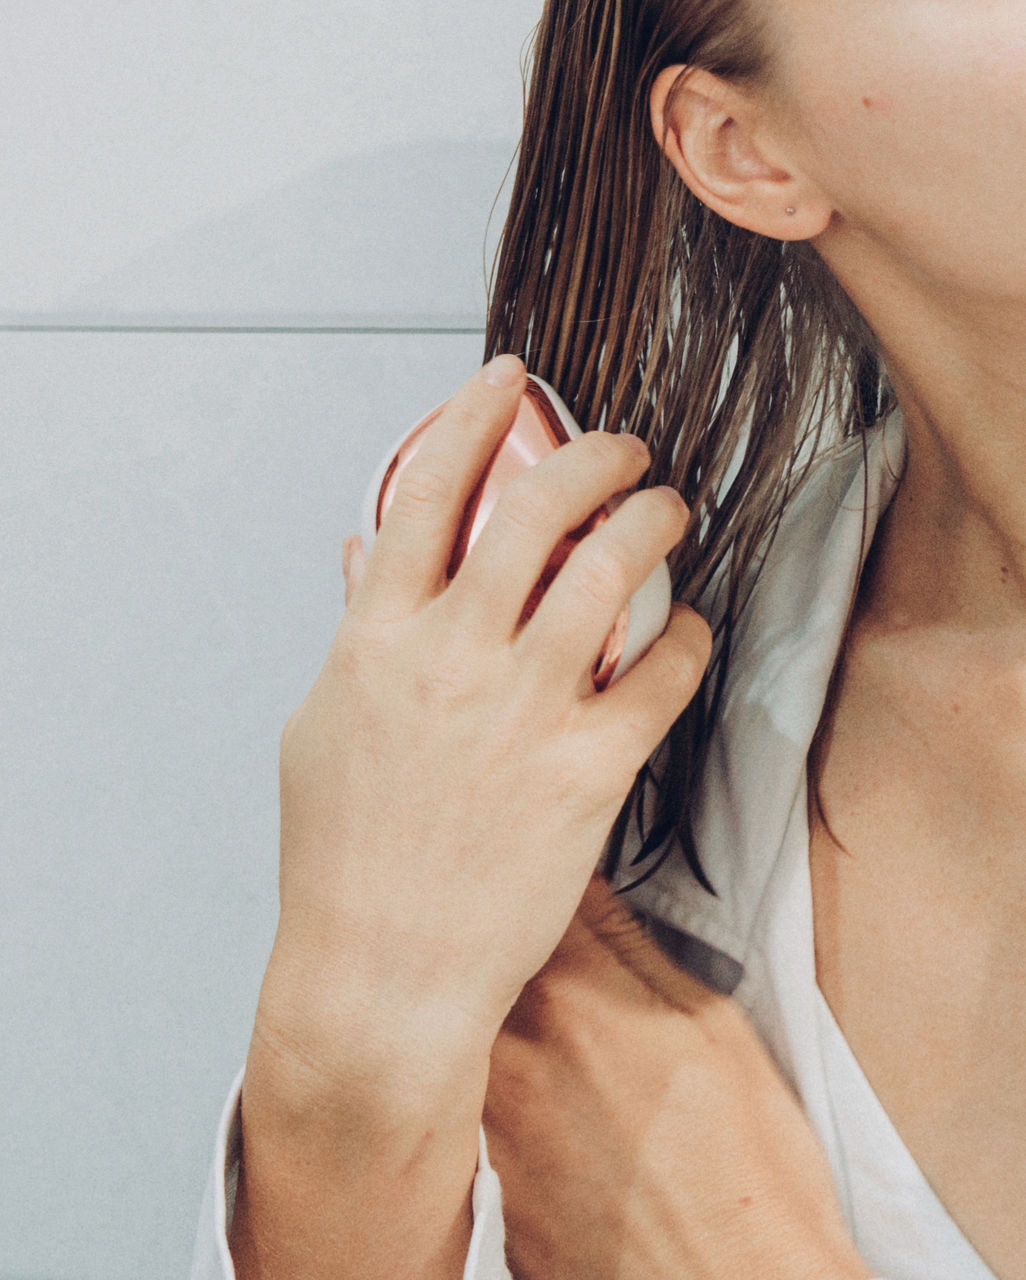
536, 431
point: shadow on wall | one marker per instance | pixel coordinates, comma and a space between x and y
393, 237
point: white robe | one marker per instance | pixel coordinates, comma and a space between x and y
756, 937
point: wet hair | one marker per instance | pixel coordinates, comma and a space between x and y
732, 355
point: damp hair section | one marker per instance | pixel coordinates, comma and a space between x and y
733, 356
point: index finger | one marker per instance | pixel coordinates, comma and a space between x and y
407, 565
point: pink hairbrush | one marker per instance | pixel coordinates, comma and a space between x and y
543, 423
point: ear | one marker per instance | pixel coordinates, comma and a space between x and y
720, 142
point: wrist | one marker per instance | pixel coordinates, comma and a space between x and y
330, 1037
360, 1133
350, 1151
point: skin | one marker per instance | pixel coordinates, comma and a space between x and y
640, 1128
924, 784
871, 133
362, 1098
447, 786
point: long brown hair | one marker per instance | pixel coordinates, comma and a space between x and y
730, 354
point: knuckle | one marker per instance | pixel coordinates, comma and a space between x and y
606, 446
602, 573
526, 504
421, 491
474, 410
609, 458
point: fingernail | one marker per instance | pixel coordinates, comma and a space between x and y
669, 489
637, 444
503, 371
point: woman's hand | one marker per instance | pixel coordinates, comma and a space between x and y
641, 1132
447, 787
450, 780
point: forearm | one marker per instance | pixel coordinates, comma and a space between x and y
360, 1148
641, 1130
446, 787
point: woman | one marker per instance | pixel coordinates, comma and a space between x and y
729, 218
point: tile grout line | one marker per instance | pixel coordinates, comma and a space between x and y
240, 329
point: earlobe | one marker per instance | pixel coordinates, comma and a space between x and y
713, 140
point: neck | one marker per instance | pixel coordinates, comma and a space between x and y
953, 545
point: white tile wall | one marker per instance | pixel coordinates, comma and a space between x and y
237, 157
172, 507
